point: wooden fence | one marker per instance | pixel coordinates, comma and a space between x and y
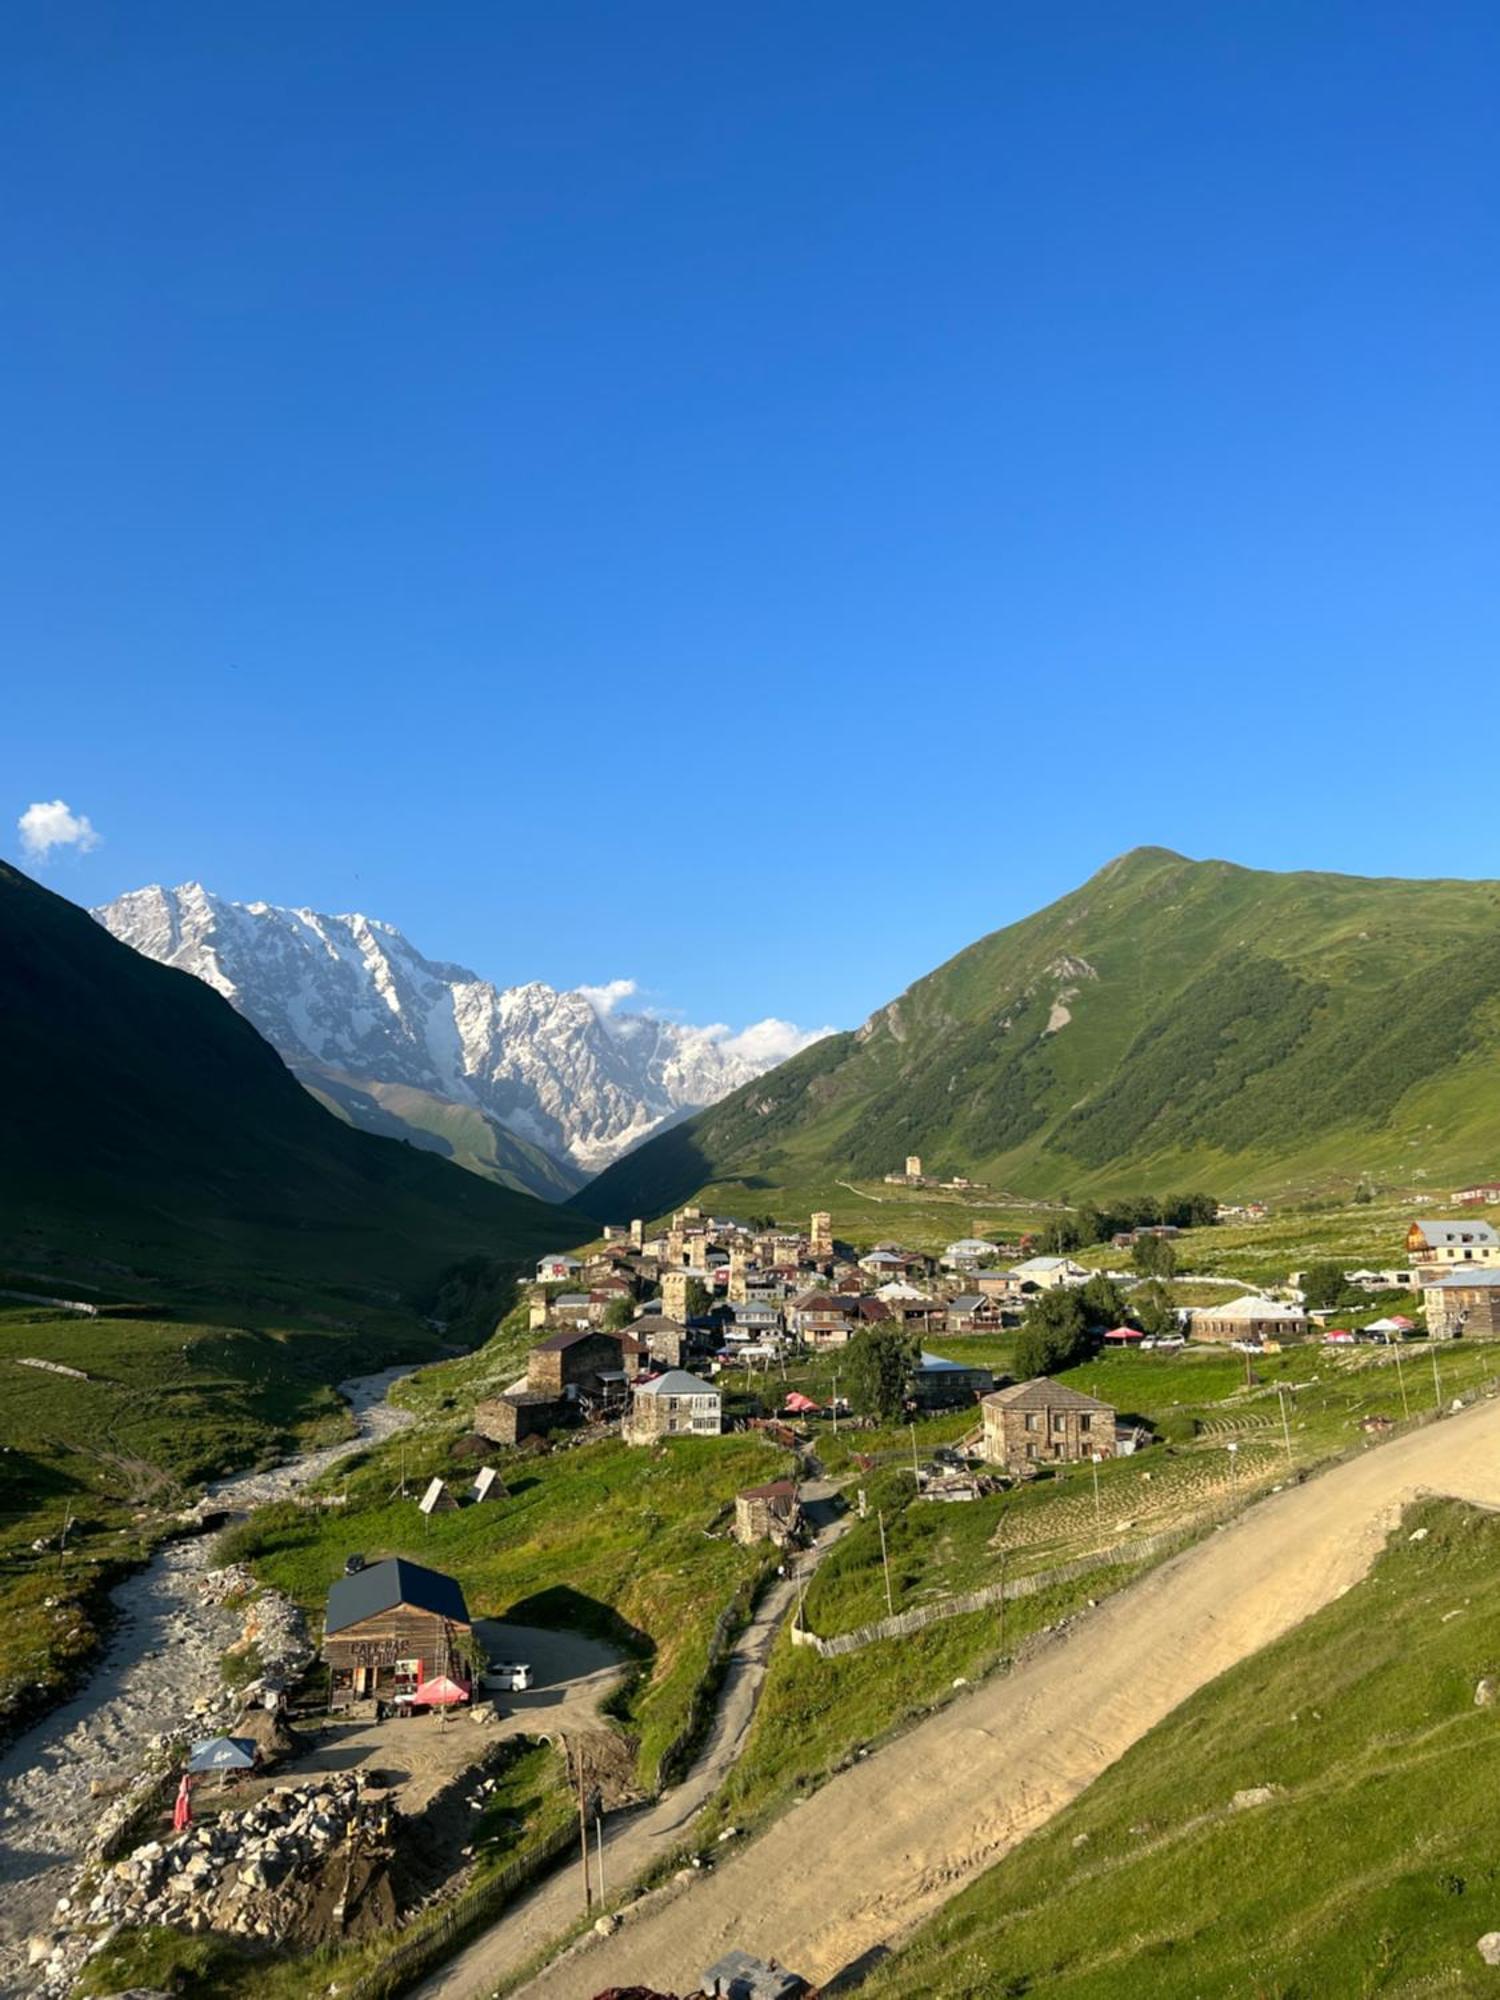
904, 1623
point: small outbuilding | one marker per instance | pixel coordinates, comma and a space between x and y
393, 1628
767, 1513
437, 1499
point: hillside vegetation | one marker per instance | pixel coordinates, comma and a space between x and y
1170, 1023
151, 1132
1368, 1865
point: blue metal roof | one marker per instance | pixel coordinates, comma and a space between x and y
384, 1585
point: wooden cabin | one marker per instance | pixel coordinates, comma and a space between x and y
392, 1630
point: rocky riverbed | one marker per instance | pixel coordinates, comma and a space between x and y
159, 1673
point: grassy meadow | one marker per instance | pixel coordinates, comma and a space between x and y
628, 1544
166, 1404
1296, 1411
1371, 1870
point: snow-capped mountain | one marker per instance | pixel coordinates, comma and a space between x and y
351, 1003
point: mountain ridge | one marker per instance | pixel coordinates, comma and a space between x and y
1169, 1020
149, 1125
535, 1087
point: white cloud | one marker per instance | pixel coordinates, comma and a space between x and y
771, 1041
763, 1043
44, 826
604, 999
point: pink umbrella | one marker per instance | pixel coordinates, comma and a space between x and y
440, 1692
182, 1812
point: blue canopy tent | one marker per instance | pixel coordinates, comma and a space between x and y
222, 1753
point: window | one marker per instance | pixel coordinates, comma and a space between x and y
1085, 1423
1059, 1423
1032, 1423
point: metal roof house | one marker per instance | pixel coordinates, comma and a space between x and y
673, 1405
393, 1630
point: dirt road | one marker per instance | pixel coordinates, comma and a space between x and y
633, 1841
884, 1844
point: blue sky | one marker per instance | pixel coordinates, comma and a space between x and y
744, 498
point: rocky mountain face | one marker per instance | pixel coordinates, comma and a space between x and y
558, 1087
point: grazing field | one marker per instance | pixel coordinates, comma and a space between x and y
1369, 1866
95, 1462
816, 1714
629, 1545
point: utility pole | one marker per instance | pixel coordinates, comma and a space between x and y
1286, 1429
599, 1844
1437, 1385
583, 1829
1401, 1381
835, 1402
915, 1469
1095, 1456
1234, 1461
890, 1602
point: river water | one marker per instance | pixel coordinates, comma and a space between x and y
163, 1655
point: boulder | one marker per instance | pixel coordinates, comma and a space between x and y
1489, 1947
1253, 1795
1484, 1692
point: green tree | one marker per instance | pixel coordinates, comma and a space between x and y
1324, 1285
1103, 1301
1153, 1256
1153, 1311
699, 1298
619, 1314
878, 1369
1054, 1334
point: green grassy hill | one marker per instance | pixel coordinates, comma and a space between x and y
150, 1129
1171, 1022
1370, 1868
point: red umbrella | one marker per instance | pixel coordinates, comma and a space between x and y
182, 1812
440, 1692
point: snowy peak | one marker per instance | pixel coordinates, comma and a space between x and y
351, 998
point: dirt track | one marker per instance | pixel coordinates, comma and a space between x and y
633, 1841
884, 1844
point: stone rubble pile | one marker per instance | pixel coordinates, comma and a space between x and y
217, 1876
244, 1874
271, 1623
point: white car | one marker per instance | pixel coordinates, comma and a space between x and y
507, 1676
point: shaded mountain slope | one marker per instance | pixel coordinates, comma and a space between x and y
147, 1124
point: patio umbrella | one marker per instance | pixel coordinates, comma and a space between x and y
182, 1812
440, 1692
222, 1753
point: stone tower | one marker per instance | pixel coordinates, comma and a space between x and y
822, 1233
914, 1166
637, 1233
674, 1290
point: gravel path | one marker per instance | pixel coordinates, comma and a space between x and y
634, 1840
162, 1656
847, 1875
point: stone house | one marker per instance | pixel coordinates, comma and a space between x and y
1466, 1304
584, 1364
767, 1513
1045, 1423
673, 1405
937, 1384
1248, 1318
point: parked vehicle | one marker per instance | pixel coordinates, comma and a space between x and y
507, 1676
